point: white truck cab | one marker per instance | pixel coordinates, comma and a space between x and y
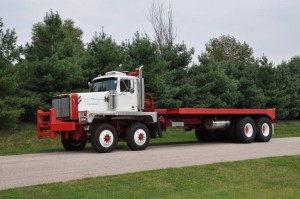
115, 91
116, 94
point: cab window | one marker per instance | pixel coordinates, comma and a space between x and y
125, 85
105, 84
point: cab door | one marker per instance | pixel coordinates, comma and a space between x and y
127, 95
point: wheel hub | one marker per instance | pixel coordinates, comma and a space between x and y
141, 136
107, 138
248, 130
265, 129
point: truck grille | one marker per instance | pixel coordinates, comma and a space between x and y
62, 105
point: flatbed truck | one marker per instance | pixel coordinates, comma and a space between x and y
117, 108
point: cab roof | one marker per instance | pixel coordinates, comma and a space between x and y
113, 74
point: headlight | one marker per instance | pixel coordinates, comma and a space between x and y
83, 119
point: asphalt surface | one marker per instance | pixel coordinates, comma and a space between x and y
33, 169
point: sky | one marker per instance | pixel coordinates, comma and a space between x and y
270, 27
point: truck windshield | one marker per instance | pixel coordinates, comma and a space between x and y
101, 85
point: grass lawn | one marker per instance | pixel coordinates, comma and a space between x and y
23, 139
287, 129
262, 178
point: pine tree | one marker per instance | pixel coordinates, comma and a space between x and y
10, 103
53, 61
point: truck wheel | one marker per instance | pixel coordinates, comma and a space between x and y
231, 131
152, 131
104, 138
138, 136
263, 129
245, 130
72, 145
202, 134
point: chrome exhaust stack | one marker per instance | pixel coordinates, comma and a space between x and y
141, 90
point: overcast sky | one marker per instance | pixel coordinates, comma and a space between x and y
270, 27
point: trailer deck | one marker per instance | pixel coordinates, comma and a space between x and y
214, 111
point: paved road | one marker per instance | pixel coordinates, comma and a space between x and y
32, 169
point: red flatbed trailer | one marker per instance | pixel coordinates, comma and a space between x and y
210, 123
215, 111
198, 115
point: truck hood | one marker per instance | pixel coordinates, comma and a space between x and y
94, 101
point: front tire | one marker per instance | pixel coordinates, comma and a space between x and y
104, 138
245, 130
72, 145
264, 130
138, 136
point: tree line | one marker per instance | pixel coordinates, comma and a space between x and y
57, 61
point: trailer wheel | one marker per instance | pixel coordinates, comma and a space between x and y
231, 131
138, 136
72, 145
202, 134
245, 130
104, 138
263, 129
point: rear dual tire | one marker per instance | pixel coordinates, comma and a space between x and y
245, 130
242, 130
264, 129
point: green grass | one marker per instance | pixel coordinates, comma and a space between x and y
23, 139
287, 129
262, 178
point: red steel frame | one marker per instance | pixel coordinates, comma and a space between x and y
195, 116
190, 116
214, 111
53, 125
